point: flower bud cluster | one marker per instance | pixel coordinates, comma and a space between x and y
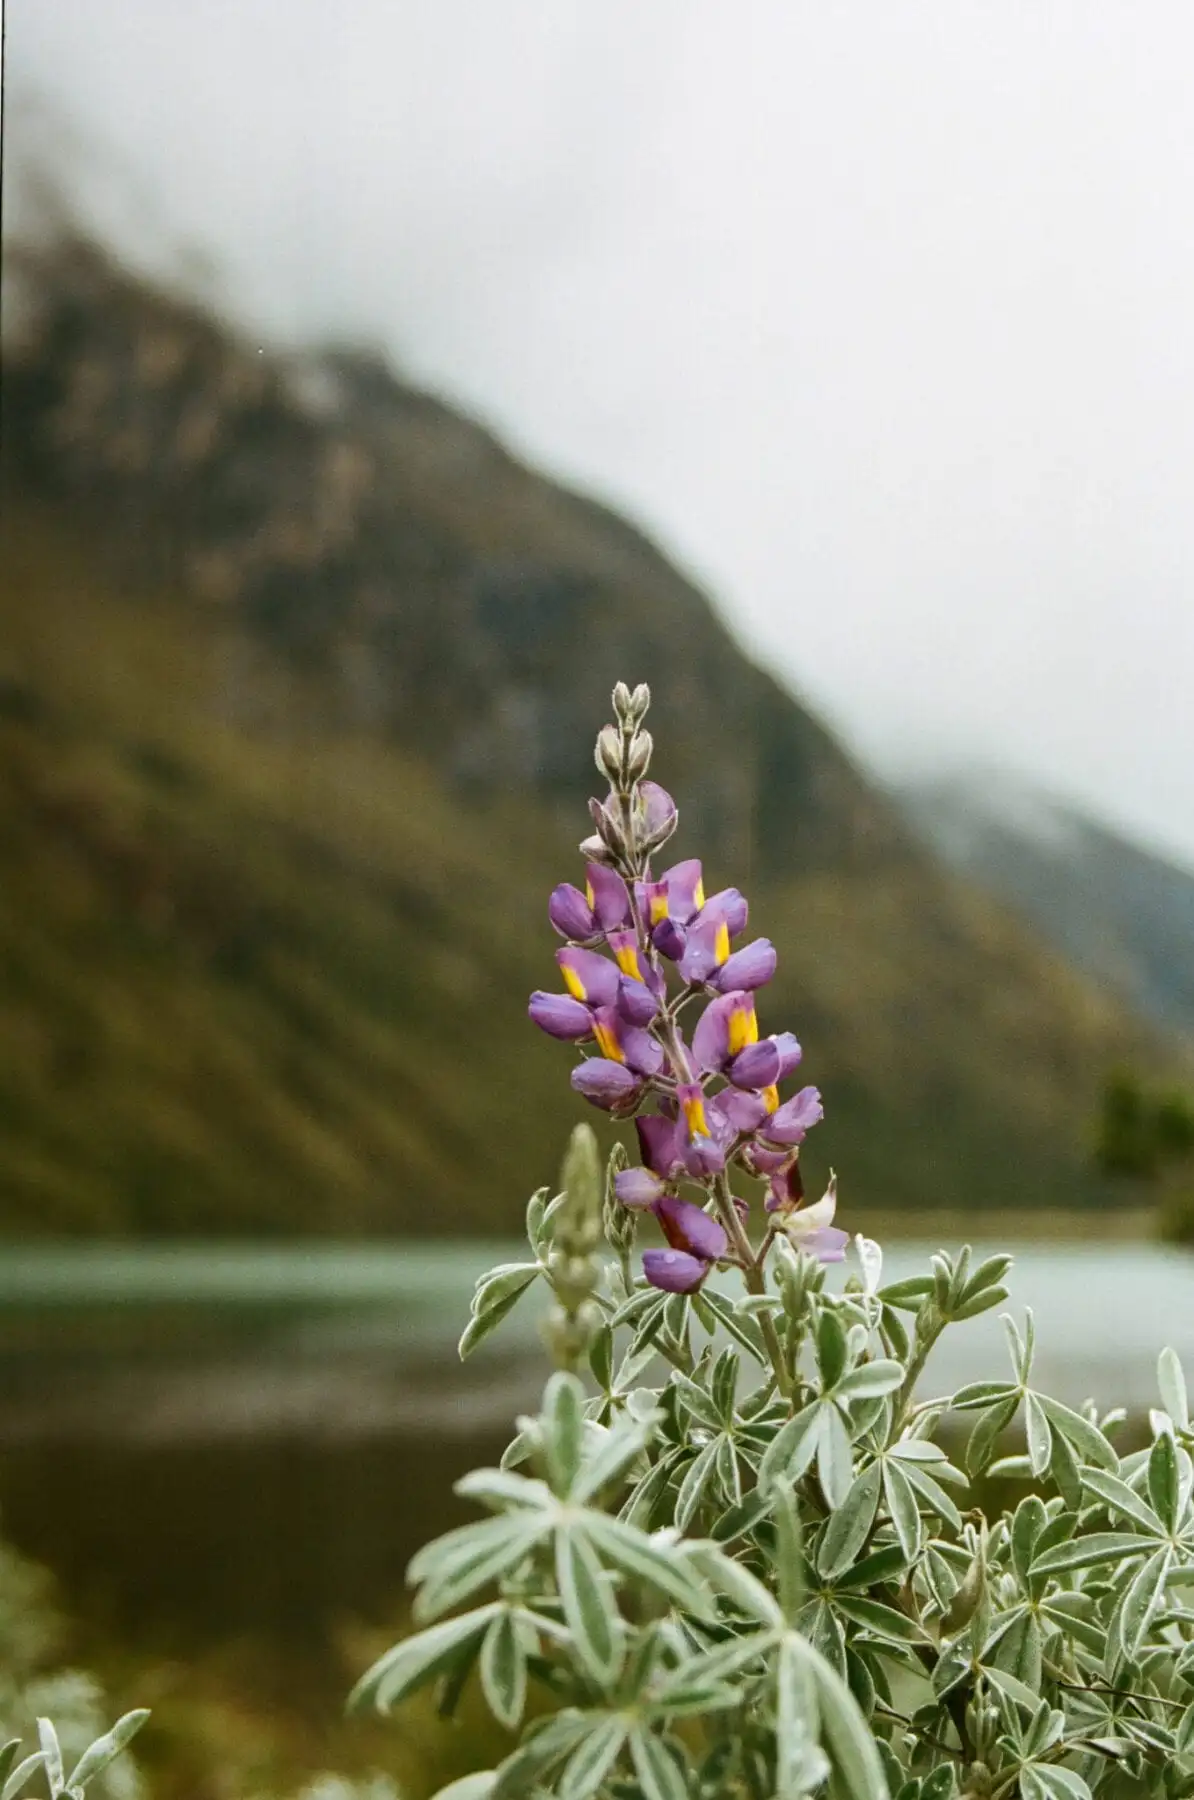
638, 949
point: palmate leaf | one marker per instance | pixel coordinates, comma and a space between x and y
1122, 1499
593, 1758
636, 1554
1084, 1438
1049, 1781
495, 1547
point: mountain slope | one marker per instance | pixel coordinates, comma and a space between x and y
1122, 913
290, 757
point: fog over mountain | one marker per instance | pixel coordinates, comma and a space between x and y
877, 317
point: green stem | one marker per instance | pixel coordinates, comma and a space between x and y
752, 1274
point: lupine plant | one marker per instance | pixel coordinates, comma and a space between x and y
45, 1767
738, 1552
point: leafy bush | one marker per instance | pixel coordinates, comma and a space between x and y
742, 1556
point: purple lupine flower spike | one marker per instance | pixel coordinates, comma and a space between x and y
684, 887
757, 1066
561, 1016
658, 813
790, 1054
726, 908
571, 913
661, 1144
637, 1187
696, 1241
636, 1002
811, 1228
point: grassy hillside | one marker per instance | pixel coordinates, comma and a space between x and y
273, 979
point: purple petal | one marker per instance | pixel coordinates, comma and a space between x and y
570, 912
589, 977
761, 1161
657, 811
685, 893
661, 1143
728, 907
637, 1187
561, 1016
789, 1122
704, 1156
786, 1188
790, 1054
827, 1243
757, 1066
609, 898
674, 1270
606, 1084
636, 1002
711, 1038
642, 1052
741, 1111
699, 960
748, 968
670, 939
686, 1227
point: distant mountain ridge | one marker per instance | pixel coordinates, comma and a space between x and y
298, 688
1122, 912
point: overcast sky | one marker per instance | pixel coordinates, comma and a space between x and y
878, 315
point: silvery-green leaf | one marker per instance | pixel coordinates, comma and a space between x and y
640, 1504
980, 1394
1040, 1437
1028, 1522
844, 1732
636, 1554
701, 1471
789, 1550
536, 1212
544, 1745
877, 1569
901, 1504
601, 1357
953, 1666
51, 1752
1018, 1351
793, 1447
1142, 1599
880, 1620
1184, 1736
981, 1445
743, 1330
931, 1493
609, 1463
987, 1275
835, 1465
589, 1606
594, 1756
417, 1660
824, 1630
563, 1422
977, 1303
1050, 1781
1012, 1686
1172, 1384
648, 1324
1086, 1439
831, 1347
850, 1525
1018, 1652
870, 1379
724, 1385
907, 1295
495, 1547
658, 1776
496, 1488
716, 1666
917, 1449
1072, 1614
479, 1786
8, 1755
1064, 1471
743, 1516
729, 1577
492, 1303
503, 1669
1122, 1499
1163, 1480
800, 1763
1098, 1547
24, 1772
107, 1748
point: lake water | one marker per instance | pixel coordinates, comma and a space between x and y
227, 1432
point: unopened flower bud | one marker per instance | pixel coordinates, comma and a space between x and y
594, 850
639, 761
608, 753
640, 700
623, 701
608, 828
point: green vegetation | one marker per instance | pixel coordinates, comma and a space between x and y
1146, 1138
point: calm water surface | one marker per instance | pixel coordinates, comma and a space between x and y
217, 1434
